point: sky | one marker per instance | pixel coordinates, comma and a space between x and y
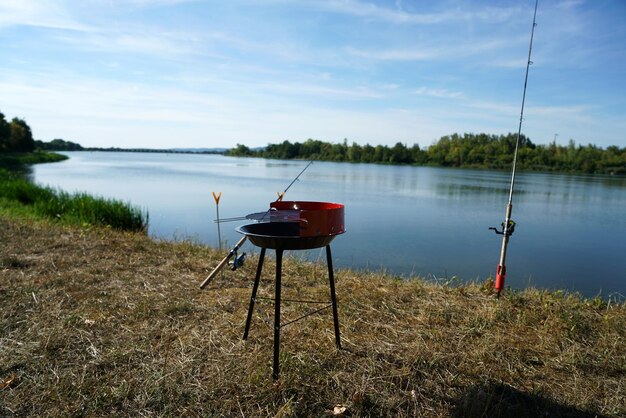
182, 73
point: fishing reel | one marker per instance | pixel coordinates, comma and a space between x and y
237, 261
508, 231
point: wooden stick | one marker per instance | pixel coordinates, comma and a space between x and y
223, 263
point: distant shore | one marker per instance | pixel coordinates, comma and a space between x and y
483, 151
212, 151
480, 151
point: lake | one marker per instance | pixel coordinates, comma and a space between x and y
427, 221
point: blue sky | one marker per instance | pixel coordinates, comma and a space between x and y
177, 73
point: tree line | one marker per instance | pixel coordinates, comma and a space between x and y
466, 150
58, 145
456, 150
15, 136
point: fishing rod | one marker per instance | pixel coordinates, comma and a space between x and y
261, 215
281, 195
233, 252
508, 226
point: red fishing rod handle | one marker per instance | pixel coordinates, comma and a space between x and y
500, 276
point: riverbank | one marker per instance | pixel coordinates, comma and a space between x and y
13, 160
102, 322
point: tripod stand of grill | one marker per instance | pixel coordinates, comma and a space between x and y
316, 226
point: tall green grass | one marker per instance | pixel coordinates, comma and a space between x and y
77, 208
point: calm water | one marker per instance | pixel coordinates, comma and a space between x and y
571, 229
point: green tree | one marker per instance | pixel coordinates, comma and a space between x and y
239, 151
5, 133
21, 139
400, 154
354, 153
417, 155
311, 149
58, 145
338, 152
367, 154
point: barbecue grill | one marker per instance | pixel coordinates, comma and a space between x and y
294, 225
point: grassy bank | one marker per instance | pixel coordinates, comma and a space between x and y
18, 159
20, 196
97, 322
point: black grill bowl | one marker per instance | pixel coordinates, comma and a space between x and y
282, 236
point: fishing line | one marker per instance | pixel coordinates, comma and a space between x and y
521, 117
260, 216
508, 226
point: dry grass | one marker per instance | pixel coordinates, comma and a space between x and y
96, 322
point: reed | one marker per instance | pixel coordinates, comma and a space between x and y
18, 195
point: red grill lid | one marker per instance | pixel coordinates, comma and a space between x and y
315, 218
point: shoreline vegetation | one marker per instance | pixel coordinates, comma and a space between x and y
19, 195
482, 151
18, 160
103, 322
461, 151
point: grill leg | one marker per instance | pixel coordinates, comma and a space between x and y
257, 279
279, 266
333, 297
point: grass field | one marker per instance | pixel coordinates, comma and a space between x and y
98, 322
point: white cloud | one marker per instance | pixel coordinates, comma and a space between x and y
47, 14
439, 93
398, 55
442, 51
293, 88
137, 41
399, 15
